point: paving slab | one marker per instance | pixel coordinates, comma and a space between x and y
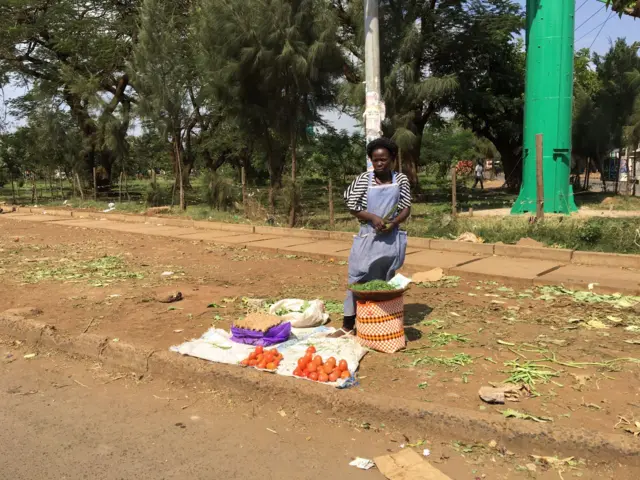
244, 239
163, 231
278, 244
210, 235
84, 223
602, 279
37, 218
436, 259
323, 247
519, 270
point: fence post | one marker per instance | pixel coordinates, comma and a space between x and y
539, 179
95, 185
454, 199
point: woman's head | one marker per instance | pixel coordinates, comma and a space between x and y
382, 153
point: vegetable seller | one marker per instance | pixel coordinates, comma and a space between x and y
381, 201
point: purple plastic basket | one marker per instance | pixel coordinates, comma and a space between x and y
277, 334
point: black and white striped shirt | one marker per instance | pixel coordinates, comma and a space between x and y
355, 196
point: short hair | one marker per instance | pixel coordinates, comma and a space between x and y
385, 143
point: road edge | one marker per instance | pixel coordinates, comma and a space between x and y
451, 423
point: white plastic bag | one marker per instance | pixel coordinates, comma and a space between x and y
301, 314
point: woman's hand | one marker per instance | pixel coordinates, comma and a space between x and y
378, 223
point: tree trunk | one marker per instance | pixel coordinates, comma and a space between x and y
243, 179
50, 182
13, 188
95, 185
60, 185
635, 178
179, 176
34, 193
126, 186
294, 197
332, 222
120, 188
80, 187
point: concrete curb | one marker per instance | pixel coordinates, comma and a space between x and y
574, 257
400, 414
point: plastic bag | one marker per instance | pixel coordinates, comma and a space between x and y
278, 334
301, 314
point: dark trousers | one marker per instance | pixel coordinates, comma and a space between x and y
478, 179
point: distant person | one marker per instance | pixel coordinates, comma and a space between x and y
479, 173
381, 201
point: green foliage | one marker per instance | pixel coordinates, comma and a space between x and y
219, 191
157, 195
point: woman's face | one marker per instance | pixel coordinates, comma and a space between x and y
382, 160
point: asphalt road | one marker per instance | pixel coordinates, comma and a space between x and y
64, 419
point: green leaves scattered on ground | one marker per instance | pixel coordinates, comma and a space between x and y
529, 373
98, 272
440, 339
444, 282
457, 360
550, 293
510, 413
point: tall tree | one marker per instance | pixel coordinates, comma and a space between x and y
490, 65
164, 76
75, 52
274, 64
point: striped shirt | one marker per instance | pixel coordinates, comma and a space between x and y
355, 196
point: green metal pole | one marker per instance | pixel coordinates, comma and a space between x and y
548, 105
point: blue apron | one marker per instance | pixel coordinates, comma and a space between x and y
376, 256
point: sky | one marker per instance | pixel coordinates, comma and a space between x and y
595, 26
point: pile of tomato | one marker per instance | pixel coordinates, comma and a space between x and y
312, 367
264, 359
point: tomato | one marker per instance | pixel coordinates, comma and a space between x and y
253, 363
271, 366
312, 367
331, 360
311, 349
318, 360
306, 373
343, 365
323, 377
273, 351
302, 362
260, 357
245, 362
327, 368
309, 357
334, 376
313, 376
253, 356
276, 362
269, 357
297, 372
345, 374
262, 364
259, 349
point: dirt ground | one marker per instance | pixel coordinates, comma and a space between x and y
577, 353
64, 418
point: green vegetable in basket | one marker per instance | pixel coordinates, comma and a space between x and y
373, 286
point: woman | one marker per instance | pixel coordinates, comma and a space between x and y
381, 200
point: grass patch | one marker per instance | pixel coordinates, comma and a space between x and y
98, 272
430, 218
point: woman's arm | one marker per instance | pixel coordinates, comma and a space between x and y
364, 216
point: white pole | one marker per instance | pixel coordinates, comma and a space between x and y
374, 108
